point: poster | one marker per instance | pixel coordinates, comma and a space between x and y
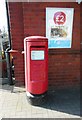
59, 24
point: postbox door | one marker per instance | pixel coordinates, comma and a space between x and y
38, 69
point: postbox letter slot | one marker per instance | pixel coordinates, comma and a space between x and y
37, 46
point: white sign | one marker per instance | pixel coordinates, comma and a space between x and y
59, 23
37, 55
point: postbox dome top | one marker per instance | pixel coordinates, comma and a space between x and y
36, 38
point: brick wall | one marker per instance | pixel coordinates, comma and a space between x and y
17, 36
29, 19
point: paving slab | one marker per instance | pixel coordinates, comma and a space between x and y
63, 103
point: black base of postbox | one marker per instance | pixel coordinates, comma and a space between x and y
36, 99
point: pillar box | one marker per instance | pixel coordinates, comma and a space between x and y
36, 68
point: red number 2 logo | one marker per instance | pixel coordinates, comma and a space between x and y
59, 18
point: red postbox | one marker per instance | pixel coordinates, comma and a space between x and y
36, 67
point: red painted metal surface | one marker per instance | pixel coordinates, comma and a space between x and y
36, 64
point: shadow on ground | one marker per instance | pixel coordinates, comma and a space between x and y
64, 100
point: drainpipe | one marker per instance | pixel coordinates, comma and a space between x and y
9, 65
8, 23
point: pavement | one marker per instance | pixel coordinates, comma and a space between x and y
60, 103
